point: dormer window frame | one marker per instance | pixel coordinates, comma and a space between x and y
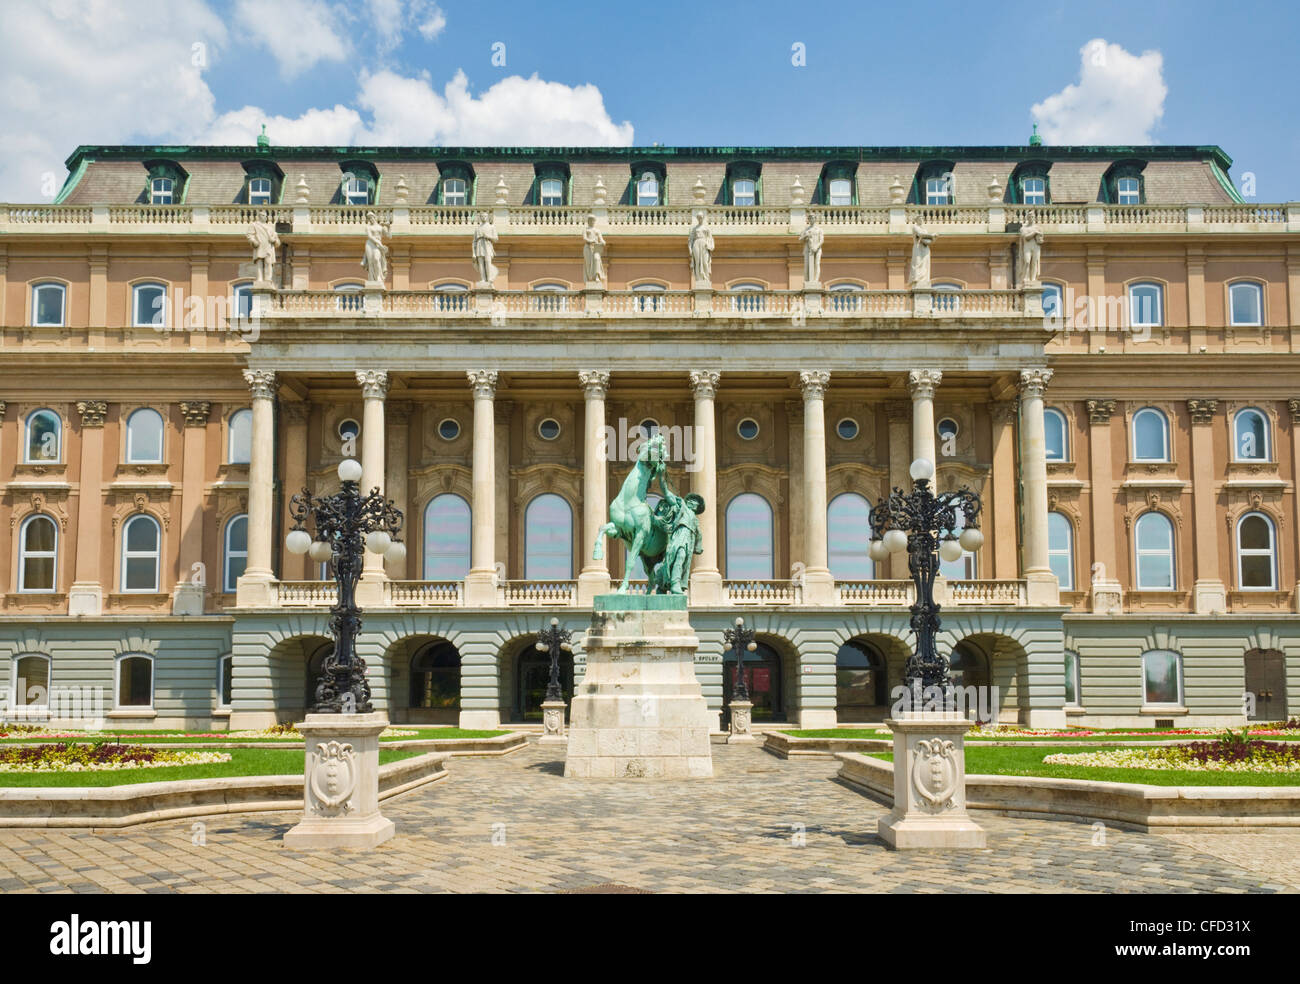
639, 170
1036, 170
833, 171
349, 188
166, 184
542, 192
744, 171
923, 183
457, 171
1130, 169
256, 172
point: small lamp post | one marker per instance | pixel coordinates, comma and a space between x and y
741, 639
554, 640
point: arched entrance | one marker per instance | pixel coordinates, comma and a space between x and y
861, 686
532, 675
1266, 680
434, 693
763, 677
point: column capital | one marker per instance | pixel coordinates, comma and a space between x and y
374, 383
1291, 405
261, 382
1033, 382
1003, 412
813, 382
92, 412
195, 412
1202, 411
595, 383
922, 383
483, 382
1099, 411
704, 383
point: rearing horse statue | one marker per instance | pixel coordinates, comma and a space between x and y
631, 517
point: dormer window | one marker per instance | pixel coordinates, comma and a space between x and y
455, 191
744, 185
1124, 184
259, 191
262, 182
1030, 184
1128, 192
550, 184
455, 183
835, 185
356, 191
647, 189
160, 191
933, 184
359, 184
165, 184
647, 185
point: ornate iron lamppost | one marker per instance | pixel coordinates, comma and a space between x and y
930, 528
554, 640
346, 523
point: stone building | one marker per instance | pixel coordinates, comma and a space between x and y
1131, 420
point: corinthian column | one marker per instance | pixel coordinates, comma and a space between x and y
480, 582
1043, 588
818, 585
593, 579
253, 589
922, 383
374, 388
706, 579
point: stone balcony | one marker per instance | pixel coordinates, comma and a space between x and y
667, 220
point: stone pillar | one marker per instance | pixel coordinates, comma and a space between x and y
1209, 594
593, 579
898, 413
706, 579
1107, 593
929, 784
1000, 527
1293, 406
480, 582
794, 430
254, 588
86, 596
189, 596
396, 465
819, 586
295, 567
1043, 588
374, 388
922, 383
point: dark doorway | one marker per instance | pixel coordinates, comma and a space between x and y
533, 675
315, 667
762, 676
435, 684
1266, 679
861, 690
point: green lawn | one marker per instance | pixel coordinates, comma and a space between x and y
243, 762
1063, 739
840, 733
1029, 762
180, 738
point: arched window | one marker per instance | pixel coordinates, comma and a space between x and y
1154, 536
355, 189
1071, 678
348, 297
749, 538
241, 301
763, 679
946, 298
134, 681
435, 677
1246, 304
447, 531
239, 437
845, 298
44, 437
29, 681
647, 189
48, 304
551, 298
235, 555
860, 685
38, 549
1145, 305
748, 298
1162, 677
1150, 435
648, 298
149, 305
548, 539
451, 297
1053, 301
225, 680
1256, 553
1250, 433
1057, 434
848, 537
141, 543
144, 437
1060, 549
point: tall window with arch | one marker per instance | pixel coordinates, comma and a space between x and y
447, 532
1250, 433
1246, 303
548, 539
144, 437
38, 551
1153, 536
1060, 549
848, 537
1150, 435
29, 681
48, 304
141, 554
1057, 433
239, 438
44, 437
234, 556
134, 681
749, 539
1256, 553
1146, 305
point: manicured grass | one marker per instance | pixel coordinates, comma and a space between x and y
840, 733
180, 738
1029, 762
243, 762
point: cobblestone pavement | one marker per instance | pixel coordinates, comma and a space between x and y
515, 824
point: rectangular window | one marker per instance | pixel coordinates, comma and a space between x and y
1034, 191
47, 304
840, 192
647, 190
1128, 192
1162, 678
1071, 679
259, 191
160, 191
937, 191
356, 191
454, 191
552, 191
744, 191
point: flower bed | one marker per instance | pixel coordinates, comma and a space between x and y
1201, 756
1012, 731
105, 757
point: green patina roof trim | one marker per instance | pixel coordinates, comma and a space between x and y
1162, 152
74, 178
1221, 175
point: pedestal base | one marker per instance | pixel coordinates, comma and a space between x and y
930, 784
341, 784
552, 723
741, 718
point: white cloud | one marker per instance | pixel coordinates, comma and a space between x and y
297, 33
1118, 99
430, 21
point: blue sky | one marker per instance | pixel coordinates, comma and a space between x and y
679, 73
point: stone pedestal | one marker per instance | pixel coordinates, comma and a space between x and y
552, 723
341, 795
741, 719
639, 711
930, 783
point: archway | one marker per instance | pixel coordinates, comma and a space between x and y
861, 683
764, 677
531, 678
313, 668
433, 696
1266, 680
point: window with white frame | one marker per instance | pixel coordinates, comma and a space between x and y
839, 191
149, 305
134, 681
551, 191
235, 554
1033, 191
1153, 536
141, 554
239, 438
845, 298
1246, 304
1150, 435
259, 191
348, 297
48, 308
447, 532
144, 437
161, 191
938, 190
551, 298
747, 298
748, 538
848, 538
29, 681
1256, 553
649, 298
451, 297
1053, 301
548, 539
647, 189
356, 190
1128, 191
455, 191
225, 680
1250, 434
38, 551
1145, 305
1162, 678
1071, 678
44, 437
1057, 434
1060, 549
946, 298
744, 192
241, 302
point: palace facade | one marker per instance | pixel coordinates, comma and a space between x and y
1130, 419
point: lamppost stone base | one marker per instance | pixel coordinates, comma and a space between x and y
741, 718
553, 723
930, 784
341, 785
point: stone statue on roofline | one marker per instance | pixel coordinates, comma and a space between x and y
700, 247
265, 242
593, 253
483, 249
1031, 253
919, 273
813, 237
375, 259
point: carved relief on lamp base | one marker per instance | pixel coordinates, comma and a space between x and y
553, 723
742, 712
341, 784
930, 784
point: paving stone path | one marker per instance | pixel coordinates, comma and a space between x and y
514, 824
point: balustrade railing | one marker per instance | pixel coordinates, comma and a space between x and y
432, 593
541, 592
875, 592
745, 592
991, 592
